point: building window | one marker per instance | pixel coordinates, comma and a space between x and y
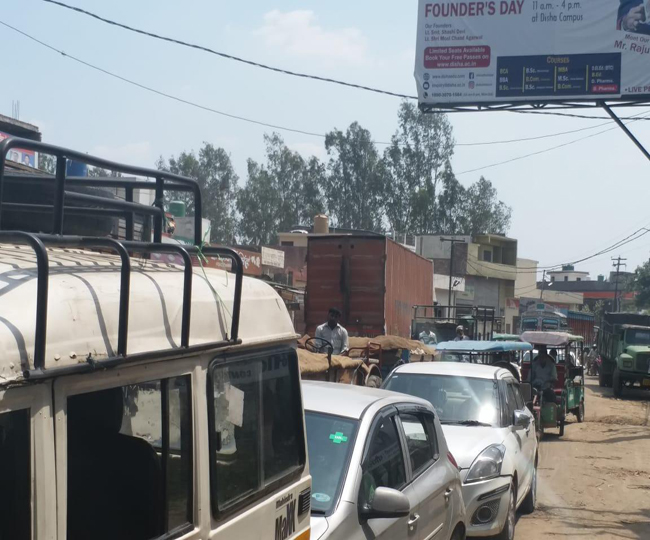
487, 256
287, 243
552, 278
566, 278
579, 279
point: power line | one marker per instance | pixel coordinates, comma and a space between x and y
571, 115
229, 56
238, 117
518, 158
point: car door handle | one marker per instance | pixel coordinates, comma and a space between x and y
448, 493
413, 521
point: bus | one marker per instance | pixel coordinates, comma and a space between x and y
140, 399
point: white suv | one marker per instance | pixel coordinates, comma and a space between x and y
489, 430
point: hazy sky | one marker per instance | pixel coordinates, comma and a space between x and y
567, 203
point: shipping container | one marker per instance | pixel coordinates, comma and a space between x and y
374, 281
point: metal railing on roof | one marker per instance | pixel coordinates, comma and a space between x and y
39, 243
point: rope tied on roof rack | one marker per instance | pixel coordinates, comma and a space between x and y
202, 258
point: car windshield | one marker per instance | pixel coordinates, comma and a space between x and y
330, 440
638, 337
458, 400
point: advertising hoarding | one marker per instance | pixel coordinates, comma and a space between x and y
525, 51
272, 257
18, 155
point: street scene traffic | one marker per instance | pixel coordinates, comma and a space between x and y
324, 272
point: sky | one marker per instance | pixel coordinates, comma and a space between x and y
567, 203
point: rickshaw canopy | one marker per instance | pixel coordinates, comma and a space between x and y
483, 346
551, 339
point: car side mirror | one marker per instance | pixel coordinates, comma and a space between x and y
521, 420
526, 392
387, 503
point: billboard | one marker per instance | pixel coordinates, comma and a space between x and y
18, 155
513, 51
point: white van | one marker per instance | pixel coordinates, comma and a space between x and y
143, 400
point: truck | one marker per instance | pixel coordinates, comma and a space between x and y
544, 317
373, 280
624, 347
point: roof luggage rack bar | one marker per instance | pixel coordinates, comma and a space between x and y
164, 180
40, 242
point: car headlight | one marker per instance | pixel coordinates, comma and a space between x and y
488, 464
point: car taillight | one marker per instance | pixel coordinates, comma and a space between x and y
452, 460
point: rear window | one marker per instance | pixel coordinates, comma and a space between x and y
257, 437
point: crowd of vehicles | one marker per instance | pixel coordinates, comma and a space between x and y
171, 397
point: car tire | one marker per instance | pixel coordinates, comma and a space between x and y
530, 502
581, 412
508, 531
459, 533
562, 422
374, 381
602, 380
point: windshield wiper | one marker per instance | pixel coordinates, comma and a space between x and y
467, 423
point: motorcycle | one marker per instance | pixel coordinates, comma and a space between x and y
593, 369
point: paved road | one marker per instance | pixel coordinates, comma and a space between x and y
595, 481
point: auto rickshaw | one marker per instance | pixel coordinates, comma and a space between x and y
569, 390
506, 354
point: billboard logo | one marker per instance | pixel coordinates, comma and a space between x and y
427, 76
471, 75
426, 86
471, 85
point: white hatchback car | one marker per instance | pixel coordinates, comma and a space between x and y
491, 433
380, 467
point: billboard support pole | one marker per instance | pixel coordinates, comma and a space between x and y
620, 124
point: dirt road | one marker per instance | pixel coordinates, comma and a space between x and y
595, 481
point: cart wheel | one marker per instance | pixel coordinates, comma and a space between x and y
617, 384
581, 412
562, 427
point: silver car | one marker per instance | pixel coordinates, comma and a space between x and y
490, 431
380, 467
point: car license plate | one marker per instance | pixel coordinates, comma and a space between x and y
646, 382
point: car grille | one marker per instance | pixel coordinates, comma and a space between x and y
304, 502
643, 363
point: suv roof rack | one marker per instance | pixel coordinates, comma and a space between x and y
39, 242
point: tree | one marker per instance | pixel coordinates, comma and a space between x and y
213, 170
354, 186
420, 150
483, 211
451, 216
283, 192
640, 285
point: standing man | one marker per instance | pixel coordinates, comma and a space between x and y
333, 332
460, 334
543, 374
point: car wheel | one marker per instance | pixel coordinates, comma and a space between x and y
581, 412
459, 533
530, 502
508, 531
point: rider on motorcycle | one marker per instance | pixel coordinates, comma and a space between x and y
543, 374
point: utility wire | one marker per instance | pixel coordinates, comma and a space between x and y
281, 70
229, 56
242, 118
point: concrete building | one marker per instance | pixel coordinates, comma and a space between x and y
485, 264
568, 273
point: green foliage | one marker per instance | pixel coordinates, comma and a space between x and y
640, 285
354, 185
213, 170
283, 192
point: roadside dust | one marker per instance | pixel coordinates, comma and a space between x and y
595, 481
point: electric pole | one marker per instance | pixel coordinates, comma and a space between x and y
453, 241
541, 294
617, 263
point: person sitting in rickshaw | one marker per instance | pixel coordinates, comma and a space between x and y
543, 374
